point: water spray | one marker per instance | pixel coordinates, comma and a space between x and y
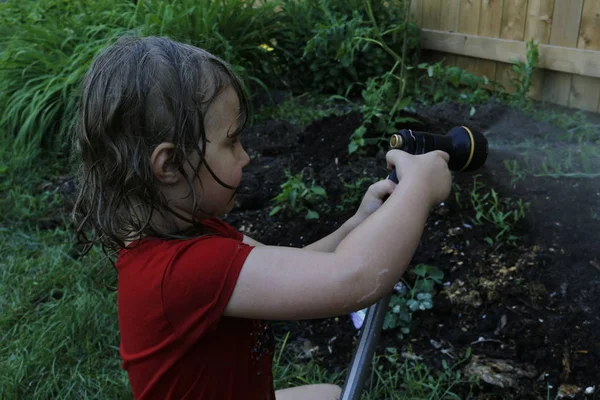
468, 151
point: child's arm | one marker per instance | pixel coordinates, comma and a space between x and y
285, 283
372, 200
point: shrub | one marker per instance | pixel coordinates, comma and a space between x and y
52, 43
329, 45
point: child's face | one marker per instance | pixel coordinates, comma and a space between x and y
224, 155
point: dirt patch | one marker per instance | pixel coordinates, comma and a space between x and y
534, 306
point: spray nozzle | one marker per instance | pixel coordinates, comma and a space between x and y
467, 149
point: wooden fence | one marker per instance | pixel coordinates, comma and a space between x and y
485, 36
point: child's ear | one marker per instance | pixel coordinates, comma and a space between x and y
162, 163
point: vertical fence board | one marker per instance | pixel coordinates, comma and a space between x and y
468, 22
566, 20
539, 20
431, 13
538, 28
514, 16
490, 24
416, 12
449, 15
585, 91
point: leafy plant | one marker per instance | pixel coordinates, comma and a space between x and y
353, 193
380, 109
523, 80
417, 298
332, 45
43, 62
384, 96
51, 44
442, 83
303, 109
417, 380
503, 213
297, 197
516, 172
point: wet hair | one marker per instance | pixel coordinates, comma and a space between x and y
138, 93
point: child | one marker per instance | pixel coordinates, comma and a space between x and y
159, 136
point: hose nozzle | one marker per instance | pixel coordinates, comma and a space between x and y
468, 149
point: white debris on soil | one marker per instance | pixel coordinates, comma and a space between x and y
590, 390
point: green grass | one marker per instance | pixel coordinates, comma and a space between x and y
51, 43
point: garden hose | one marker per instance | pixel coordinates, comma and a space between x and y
468, 151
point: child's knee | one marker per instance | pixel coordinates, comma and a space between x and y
323, 391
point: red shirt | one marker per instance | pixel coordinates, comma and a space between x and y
175, 341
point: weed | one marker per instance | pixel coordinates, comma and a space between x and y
297, 197
503, 213
334, 58
416, 298
442, 83
516, 172
403, 376
384, 96
52, 43
303, 109
353, 193
523, 80
564, 162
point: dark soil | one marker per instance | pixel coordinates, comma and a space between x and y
535, 304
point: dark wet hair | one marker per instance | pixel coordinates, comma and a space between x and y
138, 93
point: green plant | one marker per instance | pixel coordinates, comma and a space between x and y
380, 109
404, 376
43, 62
303, 109
523, 80
52, 43
516, 172
321, 42
503, 213
384, 96
297, 197
442, 83
353, 192
417, 298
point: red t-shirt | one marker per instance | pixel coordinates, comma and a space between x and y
175, 341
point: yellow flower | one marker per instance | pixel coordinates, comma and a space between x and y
266, 47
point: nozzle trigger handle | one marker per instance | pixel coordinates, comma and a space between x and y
393, 177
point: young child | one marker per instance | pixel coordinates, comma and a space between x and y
159, 136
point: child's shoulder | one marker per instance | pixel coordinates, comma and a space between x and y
222, 239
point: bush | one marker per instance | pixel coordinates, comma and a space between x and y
51, 44
328, 46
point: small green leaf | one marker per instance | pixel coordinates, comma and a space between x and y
275, 210
312, 215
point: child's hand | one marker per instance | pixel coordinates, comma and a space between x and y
373, 198
427, 173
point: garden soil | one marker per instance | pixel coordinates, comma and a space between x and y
530, 313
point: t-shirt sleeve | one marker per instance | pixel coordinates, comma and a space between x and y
199, 281
224, 228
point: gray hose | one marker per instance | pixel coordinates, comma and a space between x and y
361, 362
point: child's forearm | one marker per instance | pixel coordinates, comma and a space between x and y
330, 242
380, 249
